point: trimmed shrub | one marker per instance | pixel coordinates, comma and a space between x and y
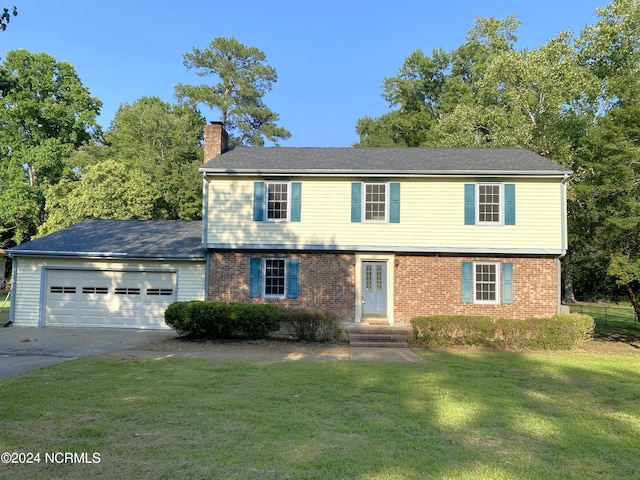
255, 320
312, 324
198, 319
562, 331
175, 316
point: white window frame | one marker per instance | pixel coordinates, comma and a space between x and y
386, 202
264, 277
266, 202
497, 283
500, 220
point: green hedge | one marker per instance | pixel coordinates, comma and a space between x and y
562, 331
255, 320
209, 319
197, 319
312, 324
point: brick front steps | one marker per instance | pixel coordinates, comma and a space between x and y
377, 336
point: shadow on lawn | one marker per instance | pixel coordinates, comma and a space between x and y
630, 337
457, 415
498, 416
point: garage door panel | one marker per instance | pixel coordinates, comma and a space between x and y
130, 299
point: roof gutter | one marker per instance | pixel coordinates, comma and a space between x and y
105, 255
398, 174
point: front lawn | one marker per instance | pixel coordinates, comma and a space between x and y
455, 416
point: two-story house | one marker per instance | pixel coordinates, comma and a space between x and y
381, 235
377, 235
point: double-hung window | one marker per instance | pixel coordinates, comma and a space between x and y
277, 201
490, 203
375, 202
273, 277
487, 282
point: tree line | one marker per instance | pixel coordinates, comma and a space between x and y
574, 100
58, 166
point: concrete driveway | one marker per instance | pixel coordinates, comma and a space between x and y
27, 348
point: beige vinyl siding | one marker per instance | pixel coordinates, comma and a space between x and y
30, 271
431, 216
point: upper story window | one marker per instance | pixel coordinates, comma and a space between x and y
277, 201
489, 203
375, 202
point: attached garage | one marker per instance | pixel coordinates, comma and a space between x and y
97, 298
107, 273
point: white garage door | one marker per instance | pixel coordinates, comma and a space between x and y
96, 298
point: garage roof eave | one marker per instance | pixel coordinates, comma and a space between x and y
106, 255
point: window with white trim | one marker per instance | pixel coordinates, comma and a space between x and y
274, 277
277, 201
486, 284
375, 202
490, 203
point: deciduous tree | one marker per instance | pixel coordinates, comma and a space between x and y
45, 114
107, 190
153, 144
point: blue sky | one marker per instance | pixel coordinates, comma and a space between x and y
331, 56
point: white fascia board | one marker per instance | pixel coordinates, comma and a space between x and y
395, 249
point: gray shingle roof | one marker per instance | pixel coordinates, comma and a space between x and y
154, 239
382, 161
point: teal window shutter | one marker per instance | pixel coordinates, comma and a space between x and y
469, 204
254, 277
507, 282
296, 201
509, 204
258, 201
292, 287
467, 282
394, 203
356, 202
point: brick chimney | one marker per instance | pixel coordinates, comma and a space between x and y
216, 140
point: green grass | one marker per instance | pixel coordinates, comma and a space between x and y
455, 416
611, 321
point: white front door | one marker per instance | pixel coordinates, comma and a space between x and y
374, 289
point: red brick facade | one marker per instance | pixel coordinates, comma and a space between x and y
325, 280
423, 285
431, 285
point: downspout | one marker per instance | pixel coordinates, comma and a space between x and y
205, 208
559, 283
12, 291
205, 218
565, 242
206, 275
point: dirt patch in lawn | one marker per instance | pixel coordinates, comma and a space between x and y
601, 344
614, 343
283, 345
